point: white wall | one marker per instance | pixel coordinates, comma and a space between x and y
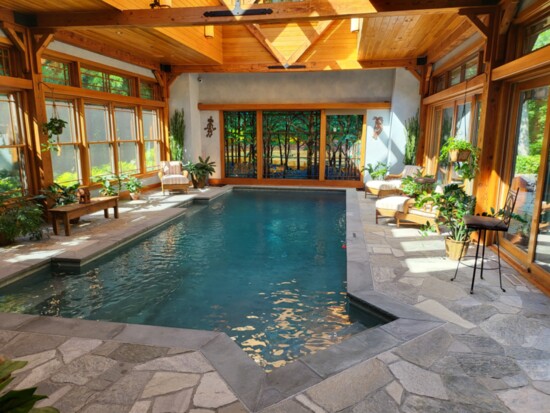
96, 57
396, 86
404, 105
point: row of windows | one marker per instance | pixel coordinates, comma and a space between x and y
12, 147
59, 72
461, 72
116, 140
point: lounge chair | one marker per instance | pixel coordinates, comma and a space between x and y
427, 213
173, 177
391, 184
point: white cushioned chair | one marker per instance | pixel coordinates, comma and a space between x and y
391, 184
173, 177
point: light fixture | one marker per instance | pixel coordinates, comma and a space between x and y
354, 24
209, 31
161, 4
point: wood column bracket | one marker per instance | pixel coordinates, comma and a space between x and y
41, 42
487, 30
17, 37
510, 10
414, 71
481, 27
255, 30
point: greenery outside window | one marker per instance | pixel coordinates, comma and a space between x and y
147, 90
343, 147
151, 138
240, 144
54, 71
468, 69
537, 35
99, 139
66, 161
13, 178
5, 69
126, 136
105, 82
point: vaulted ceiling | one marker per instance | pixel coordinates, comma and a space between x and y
303, 35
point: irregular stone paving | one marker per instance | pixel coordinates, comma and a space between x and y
492, 355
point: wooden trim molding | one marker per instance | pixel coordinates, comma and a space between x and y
12, 83
293, 106
535, 60
467, 87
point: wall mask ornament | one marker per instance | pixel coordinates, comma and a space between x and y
209, 127
378, 126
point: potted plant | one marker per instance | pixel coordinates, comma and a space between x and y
453, 203
200, 171
61, 194
463, 154
53, 128
134, 186
378, 171
19, 217
111, 185
417, 185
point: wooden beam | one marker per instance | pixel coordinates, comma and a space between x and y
104, 49
510, 10
304, 67
538, 8
8, 82
279, 13
321, 28
479, 25
255, 30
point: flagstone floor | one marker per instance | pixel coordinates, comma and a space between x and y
490, 354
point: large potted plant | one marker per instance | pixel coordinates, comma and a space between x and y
453, 203
19, 217
200, 171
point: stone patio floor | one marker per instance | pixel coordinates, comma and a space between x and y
491, 354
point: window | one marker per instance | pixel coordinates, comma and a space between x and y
13, 179
66, 159
151, 138
147, 90
291, 144
126, 136
5, 69
55, 72
105, 82
464, 71
99, 140
537, 35
240, 144
343, 148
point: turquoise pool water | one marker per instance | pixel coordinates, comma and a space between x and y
266, 267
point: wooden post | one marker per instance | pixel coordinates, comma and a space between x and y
323, 145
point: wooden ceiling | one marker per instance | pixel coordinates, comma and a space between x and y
307, 35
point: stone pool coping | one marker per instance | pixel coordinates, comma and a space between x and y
255, 388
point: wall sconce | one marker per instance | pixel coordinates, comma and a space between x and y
354, 24
161, 4
209, 32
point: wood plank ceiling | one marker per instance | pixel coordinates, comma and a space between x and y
402, 31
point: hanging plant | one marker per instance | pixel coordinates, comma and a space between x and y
53, 129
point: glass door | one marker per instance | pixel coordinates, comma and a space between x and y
528, 237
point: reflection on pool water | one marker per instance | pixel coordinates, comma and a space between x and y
266, 267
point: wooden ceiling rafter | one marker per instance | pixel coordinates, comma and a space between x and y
313, 10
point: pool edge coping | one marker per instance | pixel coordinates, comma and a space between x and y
258, 389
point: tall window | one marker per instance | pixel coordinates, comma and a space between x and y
291, 144
66, 154
151, 138
12, 147
343, 147
240, 144
126, 136
100, 140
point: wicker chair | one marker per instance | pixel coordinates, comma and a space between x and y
173, 177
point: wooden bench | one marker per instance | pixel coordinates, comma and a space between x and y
72, 211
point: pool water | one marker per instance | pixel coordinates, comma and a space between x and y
266, 267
